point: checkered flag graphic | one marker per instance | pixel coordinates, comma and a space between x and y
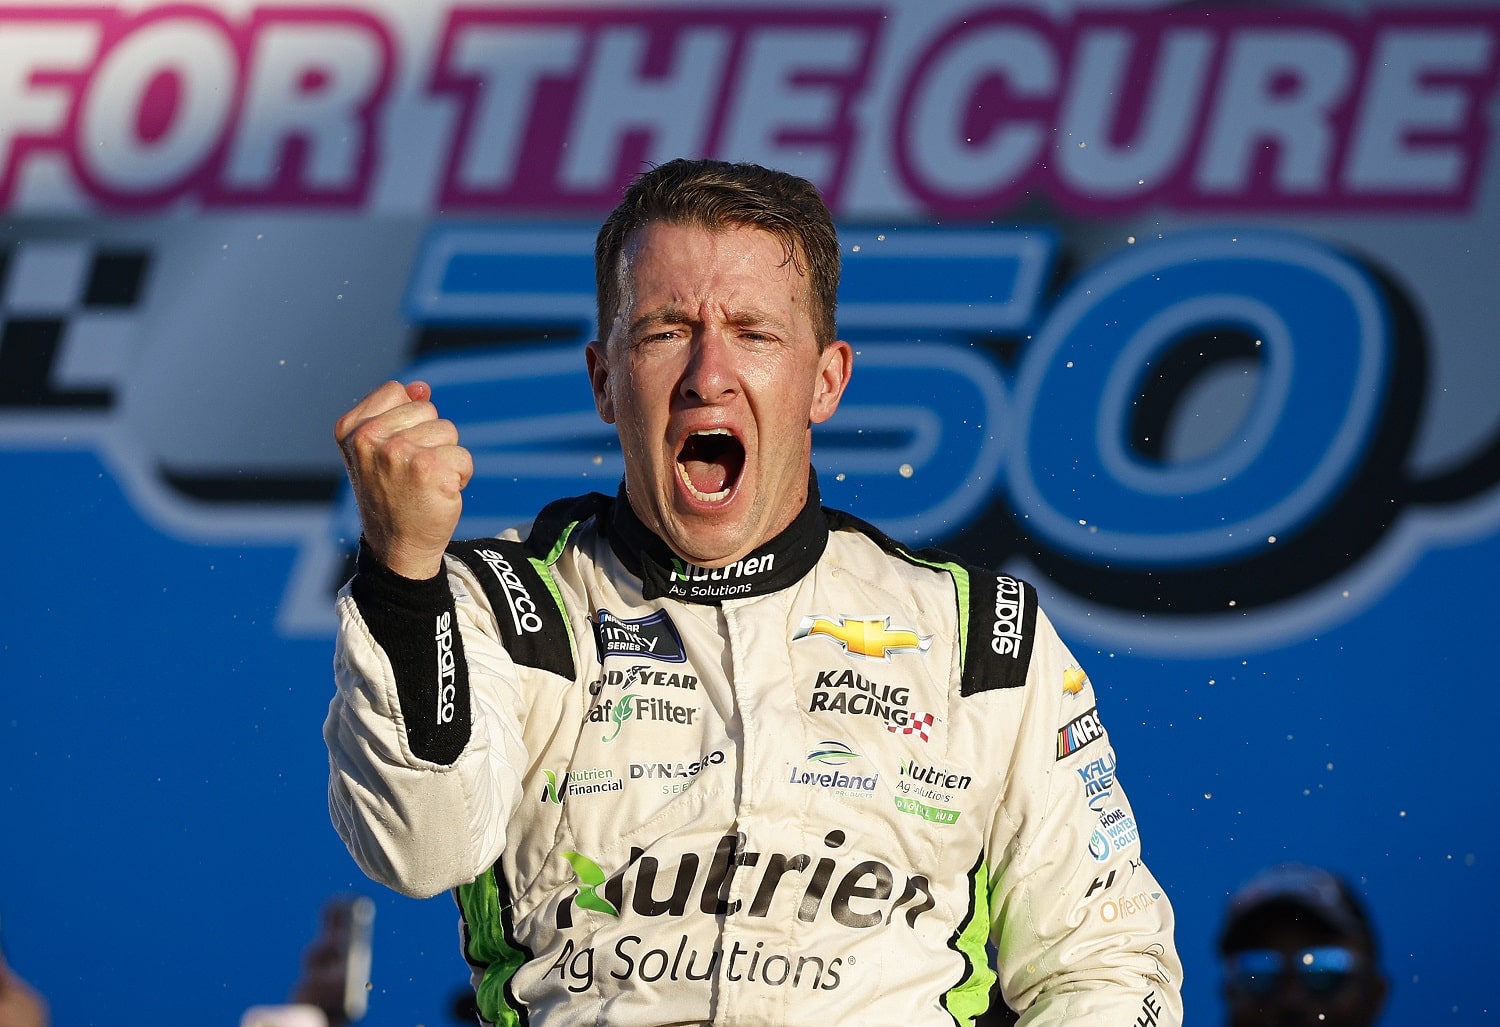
67, 318
918, 724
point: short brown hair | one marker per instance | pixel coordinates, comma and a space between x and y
717, 195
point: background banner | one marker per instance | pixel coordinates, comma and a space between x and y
1184, 313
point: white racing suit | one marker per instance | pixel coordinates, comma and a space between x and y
807, 788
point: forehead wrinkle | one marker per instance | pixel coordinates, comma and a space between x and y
709, 286
676, 313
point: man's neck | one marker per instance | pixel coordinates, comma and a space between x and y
770, 567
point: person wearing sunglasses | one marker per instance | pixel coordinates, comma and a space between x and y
1298, 947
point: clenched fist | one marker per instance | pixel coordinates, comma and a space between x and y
408, 473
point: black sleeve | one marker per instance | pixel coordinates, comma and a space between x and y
415, 624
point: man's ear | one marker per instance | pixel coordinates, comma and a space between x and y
835, 367
595, 356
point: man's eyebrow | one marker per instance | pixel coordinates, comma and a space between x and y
756, 318
673, 314
670, 314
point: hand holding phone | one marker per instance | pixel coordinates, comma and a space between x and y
336, 966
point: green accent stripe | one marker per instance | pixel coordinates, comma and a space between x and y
488, 947
971, 996
561, 543
960, 575
544, 569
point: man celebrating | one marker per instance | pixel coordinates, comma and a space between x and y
707, 751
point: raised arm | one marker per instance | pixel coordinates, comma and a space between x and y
424, 730
408, 472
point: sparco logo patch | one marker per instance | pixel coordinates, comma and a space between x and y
446, 667
522, 607
654, 637
870, 639
1008, 631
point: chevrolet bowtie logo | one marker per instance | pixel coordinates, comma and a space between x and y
872, 639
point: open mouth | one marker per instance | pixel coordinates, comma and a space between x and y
709, 464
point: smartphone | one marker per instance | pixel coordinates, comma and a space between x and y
336, 965
358, 954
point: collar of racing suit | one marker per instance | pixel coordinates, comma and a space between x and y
781, 562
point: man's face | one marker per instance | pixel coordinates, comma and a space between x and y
1290, 998
712, 376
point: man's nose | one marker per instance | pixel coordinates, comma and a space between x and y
1291, 1003
710, 372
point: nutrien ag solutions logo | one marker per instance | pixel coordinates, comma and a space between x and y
691, 581
829, 885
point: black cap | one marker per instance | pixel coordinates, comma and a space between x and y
1324, 895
